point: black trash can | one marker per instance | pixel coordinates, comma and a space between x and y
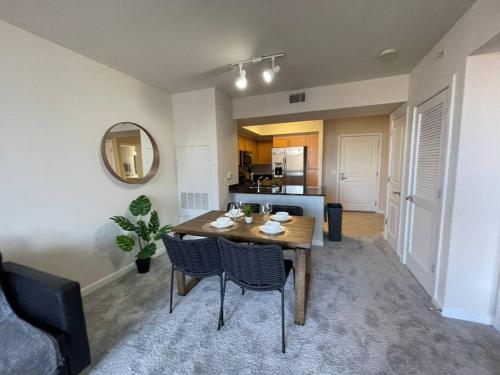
333, 213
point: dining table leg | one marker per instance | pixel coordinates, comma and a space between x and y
184, 287
302, 276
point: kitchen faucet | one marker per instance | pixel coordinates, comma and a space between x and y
259, 180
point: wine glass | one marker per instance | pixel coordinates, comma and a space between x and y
241, 205
233, 210
267, 208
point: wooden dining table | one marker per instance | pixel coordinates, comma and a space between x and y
297, 235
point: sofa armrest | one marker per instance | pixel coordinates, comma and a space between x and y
52, 303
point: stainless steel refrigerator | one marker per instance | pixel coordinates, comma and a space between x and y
290, 163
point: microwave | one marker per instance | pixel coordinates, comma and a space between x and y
245, 158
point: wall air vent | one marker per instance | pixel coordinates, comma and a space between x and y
298, 97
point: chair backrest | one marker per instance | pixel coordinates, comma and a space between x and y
292, 210
199, 258
254, 267
255, 206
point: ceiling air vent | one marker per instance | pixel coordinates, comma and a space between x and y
298, 97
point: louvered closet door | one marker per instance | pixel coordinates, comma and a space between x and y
425, 192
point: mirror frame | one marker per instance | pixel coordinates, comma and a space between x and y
154, 165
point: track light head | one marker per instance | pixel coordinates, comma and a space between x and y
268, 74
241, 81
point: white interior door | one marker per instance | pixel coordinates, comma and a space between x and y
394, 182
359, 172
425, 189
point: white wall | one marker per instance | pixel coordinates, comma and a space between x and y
204, 117
227, 143
473, 262
55, 193
432, 74
377, 91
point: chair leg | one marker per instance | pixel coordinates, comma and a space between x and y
282, 320
242, 291
223, 292
171, 287
293, 270
221, 313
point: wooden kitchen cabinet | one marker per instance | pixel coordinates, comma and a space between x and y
297, 141
264, 152
261, 150
312, 144
281, 141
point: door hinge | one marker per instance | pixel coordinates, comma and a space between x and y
375, 203
377, 174
385, 221
433, 268
439, 193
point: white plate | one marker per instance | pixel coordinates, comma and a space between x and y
239, 214
281, 219
215, 224
267, 230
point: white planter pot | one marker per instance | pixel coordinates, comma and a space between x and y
248, 219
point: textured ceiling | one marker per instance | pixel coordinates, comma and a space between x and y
181, 45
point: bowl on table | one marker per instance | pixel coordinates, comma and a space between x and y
222, 222
281, 216
271, 227
234, 214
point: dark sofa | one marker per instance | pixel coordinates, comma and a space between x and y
52, 304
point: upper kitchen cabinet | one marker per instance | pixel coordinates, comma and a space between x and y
261, 150
264, 152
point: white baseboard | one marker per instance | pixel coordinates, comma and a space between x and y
317, 242
470, 316
114, 276
437, 304
380, 211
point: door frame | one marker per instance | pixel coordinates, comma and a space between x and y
446, 190
379, 166
400, 112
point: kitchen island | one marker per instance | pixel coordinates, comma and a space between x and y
311, 200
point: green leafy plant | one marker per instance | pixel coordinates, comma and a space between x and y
277, 181
247, 210
140, 233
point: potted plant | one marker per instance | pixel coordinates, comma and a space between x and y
247, 210
277, 183
140, 233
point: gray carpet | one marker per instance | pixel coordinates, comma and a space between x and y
366, 315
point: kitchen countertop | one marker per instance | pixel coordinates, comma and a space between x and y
247, 189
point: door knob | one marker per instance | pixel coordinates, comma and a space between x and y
343, 177
409, 198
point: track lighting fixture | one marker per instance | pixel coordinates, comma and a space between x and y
268, 74
241, 81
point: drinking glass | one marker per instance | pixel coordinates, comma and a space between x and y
240, 206
267, 208
233, 209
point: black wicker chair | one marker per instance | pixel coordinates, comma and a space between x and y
255, 267
292, 210
196, 258
255, 206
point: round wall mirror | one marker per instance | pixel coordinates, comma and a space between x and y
130, 153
